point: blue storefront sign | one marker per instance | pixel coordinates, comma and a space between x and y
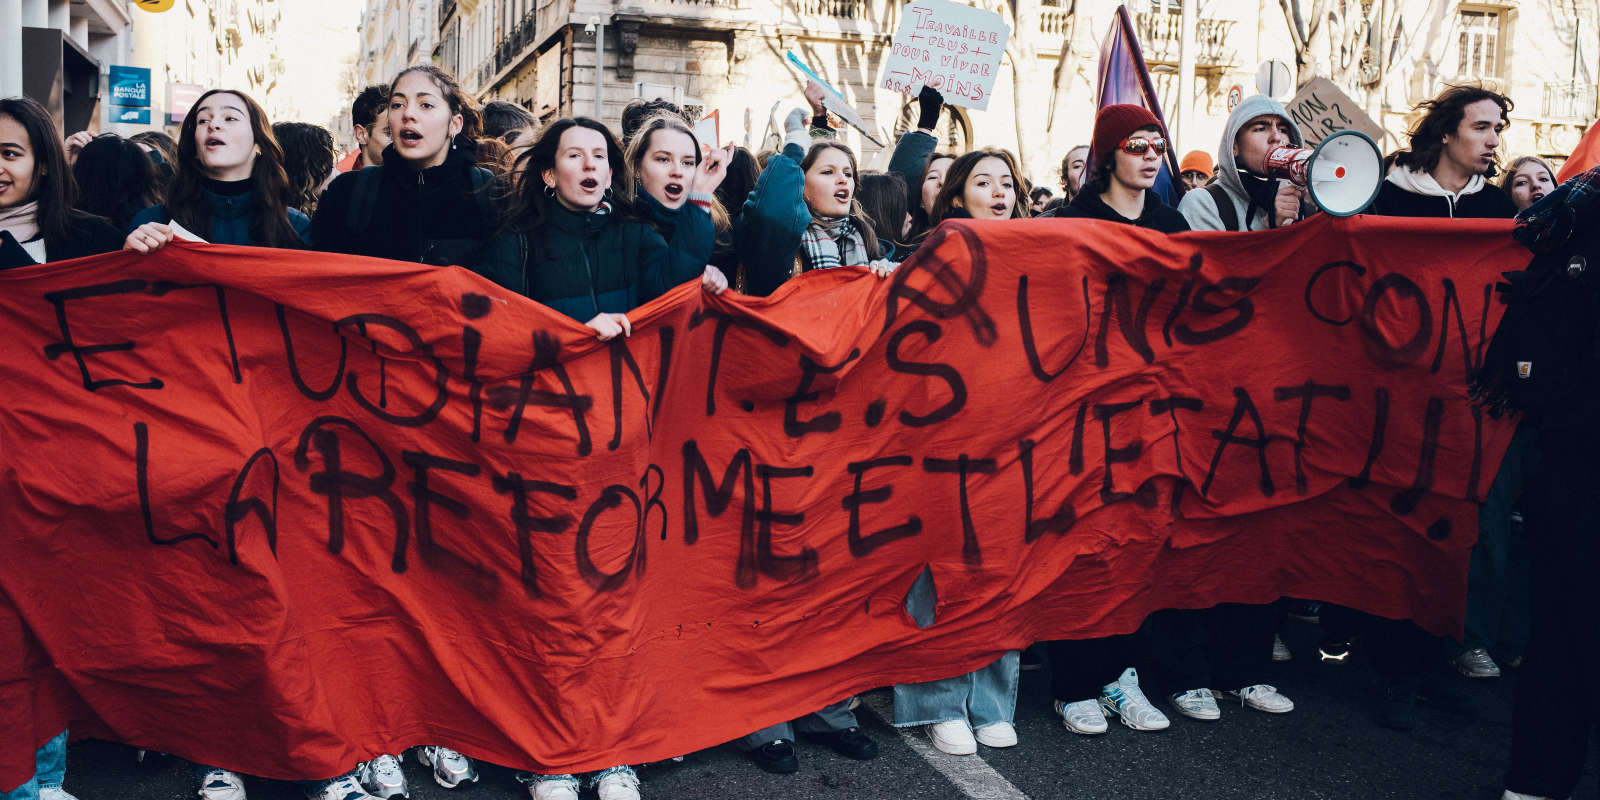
131, 116
130, 86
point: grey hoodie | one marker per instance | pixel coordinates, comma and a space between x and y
1198, 206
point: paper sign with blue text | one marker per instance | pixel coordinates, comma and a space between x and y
952, 47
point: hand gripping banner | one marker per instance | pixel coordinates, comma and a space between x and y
282, 511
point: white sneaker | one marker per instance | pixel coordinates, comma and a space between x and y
1083, 717
345, 788
617, 783
996, 734
1477, 663
218, 784
1280, 651
1510, 795
450, 769
1197, 704
382, 777
1262, 697
1125, 699
562, 788
953, 737
58, 793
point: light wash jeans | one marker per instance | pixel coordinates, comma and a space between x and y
981, 697
49, 769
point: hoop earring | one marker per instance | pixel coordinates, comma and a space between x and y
549, 191
608, 193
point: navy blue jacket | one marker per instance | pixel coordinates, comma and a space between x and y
231, 215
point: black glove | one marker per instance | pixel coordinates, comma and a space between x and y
930, 102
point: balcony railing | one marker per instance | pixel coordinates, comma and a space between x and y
1569, 100
1160, 32
844, 9
1054, 21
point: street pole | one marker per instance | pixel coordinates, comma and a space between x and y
599, 66
1186, 55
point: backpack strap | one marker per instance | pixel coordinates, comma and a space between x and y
1225, 209
364, 198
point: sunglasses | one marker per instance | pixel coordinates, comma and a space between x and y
1138, 145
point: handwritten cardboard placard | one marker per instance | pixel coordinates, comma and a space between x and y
279, 511
952, 47
1320, 108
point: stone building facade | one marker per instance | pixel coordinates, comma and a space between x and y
729, 56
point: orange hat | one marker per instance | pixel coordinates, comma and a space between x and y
1196, 161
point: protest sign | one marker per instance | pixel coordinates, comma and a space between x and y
832, 99
281, 511
1320, 108
952, 47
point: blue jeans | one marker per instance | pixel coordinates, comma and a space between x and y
981, 697
49, 769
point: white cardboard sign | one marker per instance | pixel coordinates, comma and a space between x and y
952, 47
1321, 108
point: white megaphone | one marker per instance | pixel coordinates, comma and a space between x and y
1343, 174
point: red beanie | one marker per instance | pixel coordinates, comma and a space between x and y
1114, 123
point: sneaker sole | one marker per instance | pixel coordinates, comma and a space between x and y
1112, 712
1199, 716
1084, 731
1471, 674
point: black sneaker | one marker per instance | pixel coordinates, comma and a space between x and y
776, 757
850, 743
1334, 651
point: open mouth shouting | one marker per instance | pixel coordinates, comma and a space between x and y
673, 192
214, 143
999, 210
408, 137
842, 197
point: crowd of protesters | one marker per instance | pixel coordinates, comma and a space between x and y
593, 225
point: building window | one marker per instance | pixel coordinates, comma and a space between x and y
1478, 43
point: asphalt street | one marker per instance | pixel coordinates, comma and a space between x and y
1329, 747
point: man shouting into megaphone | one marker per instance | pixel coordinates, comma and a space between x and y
1245, 196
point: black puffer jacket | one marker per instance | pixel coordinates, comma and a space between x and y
87, 235
1157, 216
433, 216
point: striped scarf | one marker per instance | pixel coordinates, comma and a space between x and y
831, 242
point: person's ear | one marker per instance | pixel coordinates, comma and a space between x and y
457, 122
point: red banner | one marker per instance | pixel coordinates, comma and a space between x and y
280, 511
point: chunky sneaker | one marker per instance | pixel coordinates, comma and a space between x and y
382, 778
1280, 651
1083, 717
345, 788
1126, 700
58, 793
617, 783
1262, 697
553, 787
1477, 663
953, 737
450, 769
996, 734
1196, 704
218, 784
776, 757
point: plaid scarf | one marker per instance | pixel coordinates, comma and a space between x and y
831, 242
1548, 224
